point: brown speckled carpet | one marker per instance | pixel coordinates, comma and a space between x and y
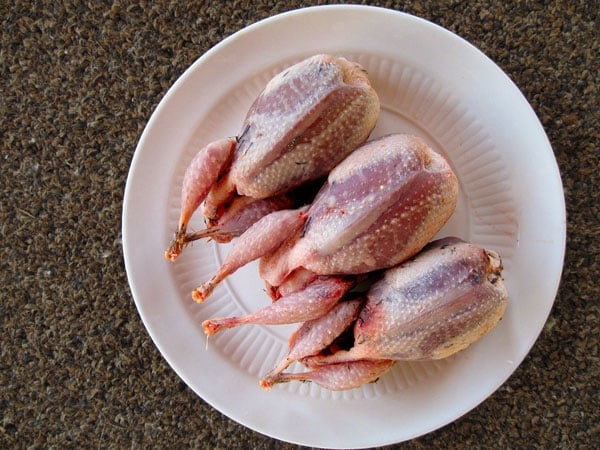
79, 82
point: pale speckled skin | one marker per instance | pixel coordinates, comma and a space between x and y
307, 119
430, 307
380, 206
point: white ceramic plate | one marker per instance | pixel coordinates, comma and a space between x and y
430, 82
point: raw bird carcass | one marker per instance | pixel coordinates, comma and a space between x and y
307, 119
429, 307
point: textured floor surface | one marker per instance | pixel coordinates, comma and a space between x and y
79, 82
